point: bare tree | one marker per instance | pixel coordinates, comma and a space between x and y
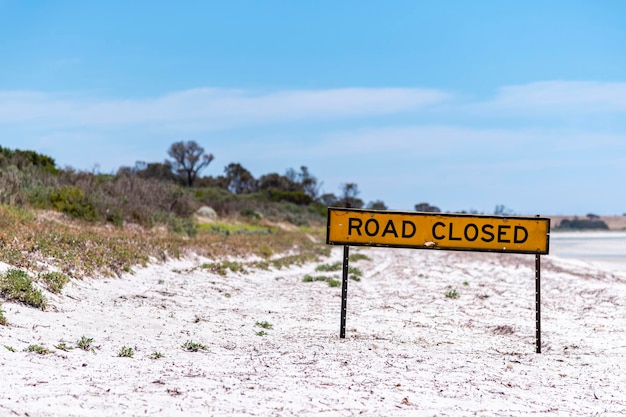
188, 160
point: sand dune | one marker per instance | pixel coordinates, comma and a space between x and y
409, 350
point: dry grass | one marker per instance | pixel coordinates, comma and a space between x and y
37, 241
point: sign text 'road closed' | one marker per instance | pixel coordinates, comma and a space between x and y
438, 231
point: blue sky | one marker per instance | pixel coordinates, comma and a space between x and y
462, 104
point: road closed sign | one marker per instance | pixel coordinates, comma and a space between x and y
510, 234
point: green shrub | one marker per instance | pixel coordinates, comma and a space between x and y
190, 346
297, 197
264, 324
84, 343
187, 226
452, 293
72, 201
156, 355
337, 266
126, 352
55, 281
16, 285
38, 349
222, 268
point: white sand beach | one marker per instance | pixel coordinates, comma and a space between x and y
409, 350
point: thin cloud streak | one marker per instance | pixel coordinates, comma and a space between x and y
558, 97
212, 108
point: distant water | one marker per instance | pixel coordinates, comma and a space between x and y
606, 248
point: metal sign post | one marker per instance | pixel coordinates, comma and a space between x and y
344, 292
538, 302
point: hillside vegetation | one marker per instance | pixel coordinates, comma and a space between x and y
61, 224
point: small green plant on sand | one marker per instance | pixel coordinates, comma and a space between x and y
126, 352
55, 281
63, 346
156, 355
190, 346
264, 325
452, 293
38, 349
355, 273
3, 320
222, 268
337, 266
359, 257
262, 333
16, 285
9, 348
84, 343
334, 283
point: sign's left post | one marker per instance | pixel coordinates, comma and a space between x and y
344, 291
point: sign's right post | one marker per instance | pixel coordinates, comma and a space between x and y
538, 301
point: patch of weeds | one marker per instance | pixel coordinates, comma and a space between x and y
311, 278
334, 283
222, 268
355, 273
64, 347
421, 276
337, 266
466, 283
190, 346
9, 348
126, 352
263, 265
359, 257
55, 281
262, 333
265, 251
41, 350
225, 229
85, 343
452, 293
161, 281
264, 325
3, 320
156, 355
299, 259
16, 285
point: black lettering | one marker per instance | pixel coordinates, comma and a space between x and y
502, 229
485, 229
516, 235
451, 232
354, 223
438, 224
469, 227
405, 234
390, 228
367, 227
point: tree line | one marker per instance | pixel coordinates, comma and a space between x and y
152, 193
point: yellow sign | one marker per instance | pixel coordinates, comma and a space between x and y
438, 231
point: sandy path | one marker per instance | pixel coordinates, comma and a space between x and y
409, 350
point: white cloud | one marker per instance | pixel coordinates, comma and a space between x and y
207, 108
555, 96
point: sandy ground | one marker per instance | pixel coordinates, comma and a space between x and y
409, 350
